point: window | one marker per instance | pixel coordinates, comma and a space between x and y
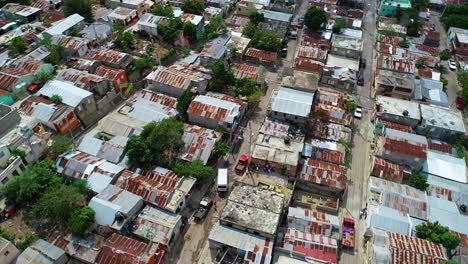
7, 253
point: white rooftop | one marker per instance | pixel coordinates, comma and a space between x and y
442, 117
343, 62
71, 95
445, 166
396, 106
293, 102
63, 25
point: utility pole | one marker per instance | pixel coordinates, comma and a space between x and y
250, 145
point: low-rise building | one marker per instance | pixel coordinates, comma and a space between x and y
265, 58
391, 63
84, 249
119, 248
313, 222
25, 13
212, 112
333, 114
291, 105
96, 84
64, 26
214, 49
389, 219
72, 46
390, 28
140, 6
323, 176
196, 20
445, 166
10, 167
96, 33
42, 252
174, 80
111, 150
111, 58
431, 92
403, 148
199, 143
346, 46
148, 23
458, 40
118, 77
329, 131
441, 123
387, 170
157, 226
389, 8
339, 77
398, 111
122, 15
148, 106
8, 251
253, 209
115, 208
253, 73
395, 84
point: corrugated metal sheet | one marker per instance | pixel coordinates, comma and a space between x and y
324, 173
123, 250
312, 222
199, 143
245, 71
63, 25
405, 249
71, 95
107, 55
214, 108
41, 252
445, 166
150, 106
160, 223
262, 55
293, 102
389, 219
388, 170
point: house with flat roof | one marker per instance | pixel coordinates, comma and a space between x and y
440, 123
212, 112
342, 78
42, 252
389, 8
64, 26
445, 166
395, 84
158, 226
398, 111
289, 104
234, 244
148, 23
346, 46
115, 208
122, 15
140, 6
253, 209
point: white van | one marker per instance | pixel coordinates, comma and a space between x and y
222, 181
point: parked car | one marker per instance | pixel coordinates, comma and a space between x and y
358, 112
452, 65
360, 80
34, 87
242, 163
459, 103
301, 22
363, 63
203, 209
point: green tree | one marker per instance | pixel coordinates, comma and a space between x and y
80, 219
149, 49
170, 31
184, 101
18, 45
122, 38
216, 27
417, 180
54, 49
340, 23
462, 77
58, 204
23, 2
196, 7
80, 7
19, 153
256, 18
420, 63
266, 41
404, 44
444, 55
221, 76
190, 32
244, 87
44, 76
26, 241
450, 261
60, 144
163, 10
249, 30
143, 63
439, 234
37, 179
158, 144
56, 99
74, 32
194, 168
314, 18
440, 68
220, 149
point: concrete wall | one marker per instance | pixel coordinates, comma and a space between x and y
9, 119
413, 162
206, 122
349, 53
437, 132
408, 121
14, 169
345, 86
165, 89
287, 117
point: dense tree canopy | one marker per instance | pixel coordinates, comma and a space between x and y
249, 30
163, 10
196, 7
122, 38
170, 31
17, 45
159, 143
190, 32
193, 168
314, 18
266, 41
80, 220
80, 7
221, 76
216, 27
417, 180
439, 234
60, 144
455, 16
256, 18
183, 102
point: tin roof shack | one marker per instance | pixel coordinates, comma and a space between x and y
64, 26
393, 248
214, 49
313, 222
448, 213
42, 252
400, 197
323, 176
253, 73
387, 170
147, 106
112, 58
276, 18
391, 63
333, 114
389, 219
8, 251
394, 84
158, 226
431, 92
309, 246
253, 209
440, 123
121, 249
72, 46
96, 84
24, 13
265, 58
85, 249
81, 100
231, 244
160, 187
199, 142
118, 77
445, 166
174, 80
237, 43
148, 24
340, 78
328, 131
290, 105
97, 32
116, 208
212, 112
403, 148
346, 46
398, 111
111, 150
141, 6
57, 117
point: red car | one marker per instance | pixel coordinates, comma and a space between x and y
459, 103
242, 163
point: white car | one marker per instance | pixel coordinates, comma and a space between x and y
358, 112
452, 65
